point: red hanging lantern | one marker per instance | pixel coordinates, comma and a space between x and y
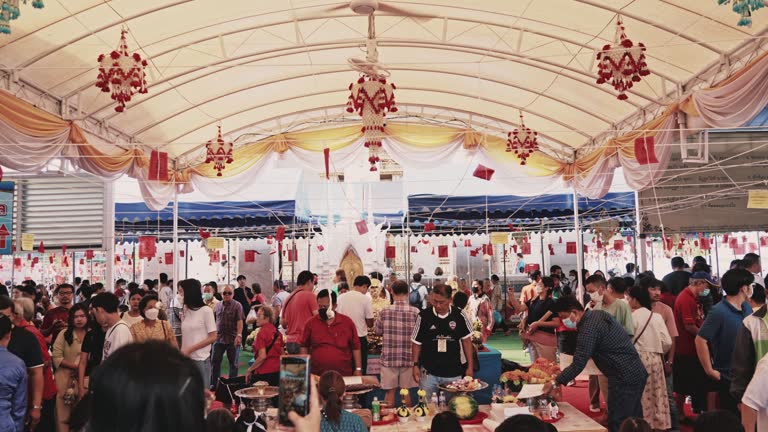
623, 64
219, 152
371, 97
121, 74
523, 141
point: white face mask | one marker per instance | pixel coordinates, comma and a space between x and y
151, 313
596, 296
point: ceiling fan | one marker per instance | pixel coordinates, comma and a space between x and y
370, 64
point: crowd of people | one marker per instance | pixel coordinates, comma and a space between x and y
76, 356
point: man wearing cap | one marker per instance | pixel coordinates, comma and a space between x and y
689, 316
720, 329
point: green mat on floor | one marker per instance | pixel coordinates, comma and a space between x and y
511, 348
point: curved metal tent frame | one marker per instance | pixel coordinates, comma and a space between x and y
208, 58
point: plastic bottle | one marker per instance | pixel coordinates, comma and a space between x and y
433, 405
442, 406
376, 409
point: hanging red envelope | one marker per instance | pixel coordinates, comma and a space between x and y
17, 262
362, 227
117, 258
29, 257
442, 251
531, 268
514, 248
454, 243
599, 245
467, 243
645, 153
618, 245
704, 243
181, 253
158, 166
41, 248
250, 256
473, 253
169, 258
414, 249
526, 249
561, 240
668, 243
570, 248
551, 250
280, 233
147, 246
50, 259
63, 249
390, 252
725, 238
82, 261
763, 241
433, 251
35, 260
65, 261
429, 226
483, 172
733, 243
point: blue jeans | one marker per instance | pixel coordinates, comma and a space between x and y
430, 382
673, 415
205, 369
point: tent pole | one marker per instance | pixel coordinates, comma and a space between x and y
717, 256
175, 240
541, 242
108, 240
579, 243
639, 238
133, 260
407, 270
186, 261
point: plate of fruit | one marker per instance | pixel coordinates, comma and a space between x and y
464, 385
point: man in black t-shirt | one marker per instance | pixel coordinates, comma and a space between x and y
678, 280
438, 338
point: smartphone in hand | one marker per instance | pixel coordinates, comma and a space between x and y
294, 387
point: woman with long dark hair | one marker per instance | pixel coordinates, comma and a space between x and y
128, 396
331, 388
652, 341
198, 329
66, 359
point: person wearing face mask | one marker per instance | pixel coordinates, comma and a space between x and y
209, 296
719, 331
602, 339
331, 339
481, 309
604, 297
151, 328
132, 316
538, 327
689, 316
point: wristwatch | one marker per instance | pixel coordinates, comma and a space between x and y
358, 369
37, 407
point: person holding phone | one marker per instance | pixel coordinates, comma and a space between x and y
331, 339
440, 334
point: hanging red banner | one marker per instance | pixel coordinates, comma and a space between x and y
414, 249
488, 249
391, 252
41, 248
362, 227
82, 261
733, 243
65, 261
725, 238
551, 250
570, 248
158, 166
526, 248
327, 157
35, 260
250, 256
467, 243
64, 249
17, 262
442, 251
280, 234
89, 254
117, 259
483, 172
599, 245
704, 243
168, 258
50, 259
514, 247
473, 253
763, 241
181, 253
645, 151
618, 245
429, 226
531, 268
147, 246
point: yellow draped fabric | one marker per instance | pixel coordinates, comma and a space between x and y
31, 120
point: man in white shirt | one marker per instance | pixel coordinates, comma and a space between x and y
118, 334
751, 262
754, 403
165, 292
359, 308
278, 299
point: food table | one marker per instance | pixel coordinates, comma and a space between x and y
574, 421
490, 370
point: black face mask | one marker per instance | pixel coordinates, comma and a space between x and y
323, 312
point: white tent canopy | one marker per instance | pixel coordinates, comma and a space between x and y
268, 67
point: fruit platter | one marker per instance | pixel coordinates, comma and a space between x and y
464, 385
541, 371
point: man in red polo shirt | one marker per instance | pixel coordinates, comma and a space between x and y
297, 309
55, 320
331, 339
689, 376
